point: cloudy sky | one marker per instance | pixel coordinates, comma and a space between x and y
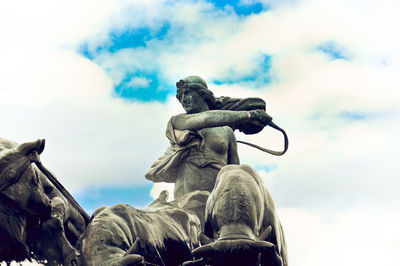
96, 79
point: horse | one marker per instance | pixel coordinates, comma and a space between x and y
164, 233
36, 219
241, 223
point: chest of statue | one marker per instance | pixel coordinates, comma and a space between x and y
215, 140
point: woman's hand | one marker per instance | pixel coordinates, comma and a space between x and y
260, 117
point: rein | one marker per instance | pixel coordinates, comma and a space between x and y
61, 188
276, 153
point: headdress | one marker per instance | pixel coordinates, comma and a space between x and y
192, 82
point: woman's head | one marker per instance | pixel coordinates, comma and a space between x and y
195, 83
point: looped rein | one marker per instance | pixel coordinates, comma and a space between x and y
276, 153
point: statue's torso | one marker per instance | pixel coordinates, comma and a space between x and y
200, 168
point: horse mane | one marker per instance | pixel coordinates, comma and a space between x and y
7, 153
6, 144
13, 222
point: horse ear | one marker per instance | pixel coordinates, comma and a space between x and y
41, 146
28, 147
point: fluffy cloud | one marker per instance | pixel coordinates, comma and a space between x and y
345, 238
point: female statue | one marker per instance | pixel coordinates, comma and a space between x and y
202, 139
202, 143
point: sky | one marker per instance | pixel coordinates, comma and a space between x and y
96, 79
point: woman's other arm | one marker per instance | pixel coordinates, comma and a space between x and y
233, 156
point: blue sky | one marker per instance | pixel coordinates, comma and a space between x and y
96, 79
144, 84
94, 197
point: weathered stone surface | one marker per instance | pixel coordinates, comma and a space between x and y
163, 235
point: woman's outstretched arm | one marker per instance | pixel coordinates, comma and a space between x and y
217, 118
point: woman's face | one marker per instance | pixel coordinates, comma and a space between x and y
192, 101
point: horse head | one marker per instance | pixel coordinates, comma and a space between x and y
241, 225
20, 185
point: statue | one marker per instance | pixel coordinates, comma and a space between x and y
221, 213
202, 146
37, 220
202, 140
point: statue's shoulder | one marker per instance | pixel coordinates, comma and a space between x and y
176, 117
172, 122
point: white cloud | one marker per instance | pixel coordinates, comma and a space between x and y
138, 82
159, 187
39, 76
93, 141
341, 238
